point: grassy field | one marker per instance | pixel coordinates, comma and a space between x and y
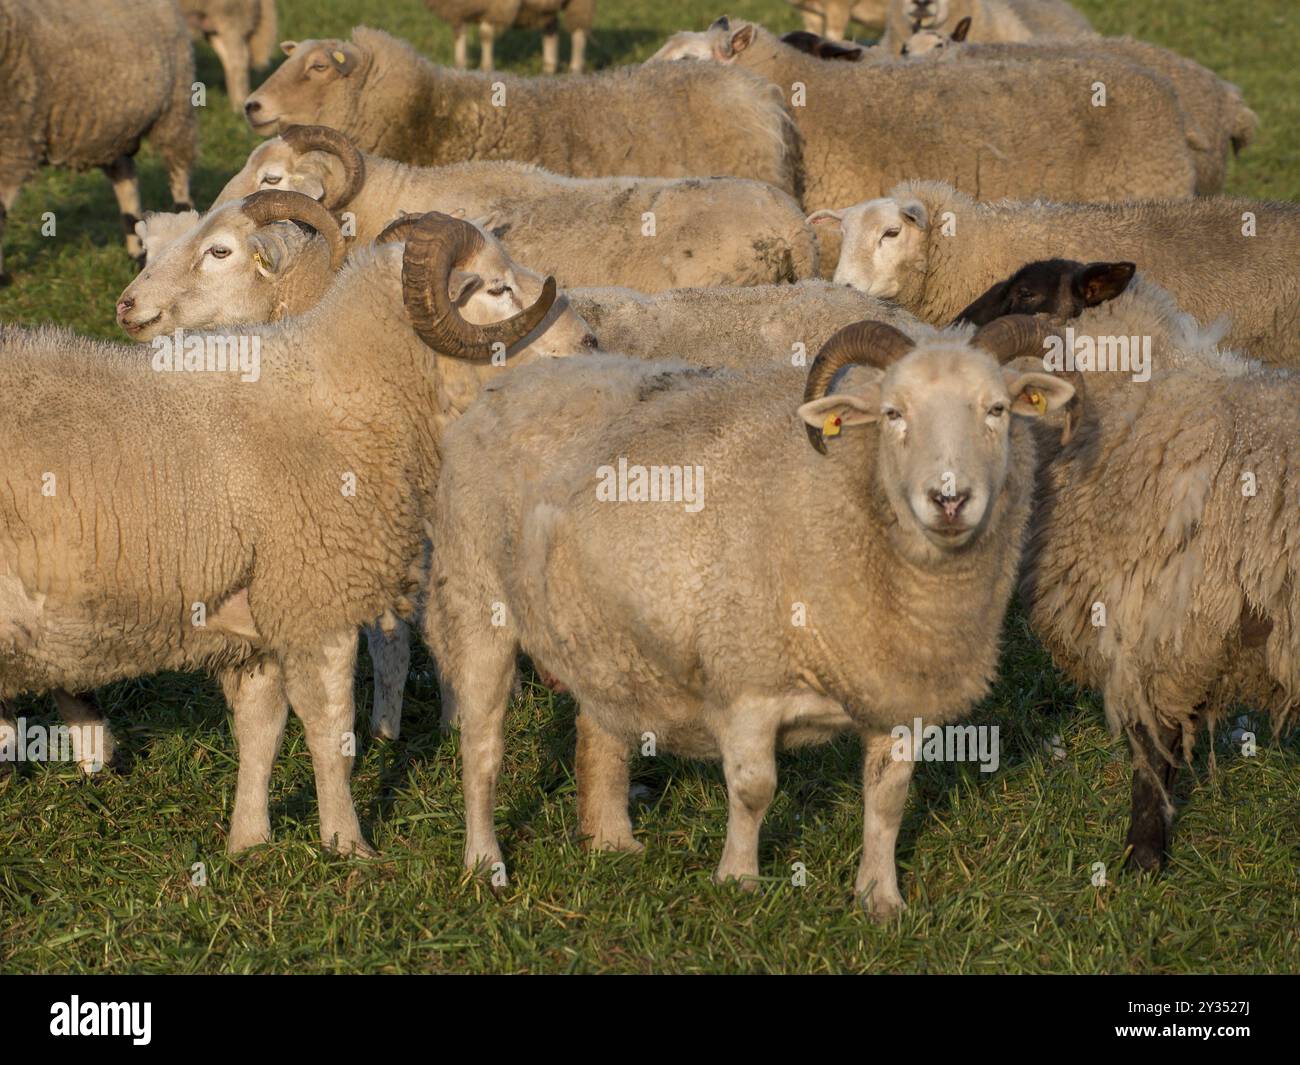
997, 868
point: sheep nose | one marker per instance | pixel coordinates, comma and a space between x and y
950, 505
124, 307
590, 341
252, 107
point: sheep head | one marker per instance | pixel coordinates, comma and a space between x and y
926, 14
231, 265
942, 411
882, 241
319, 79
314, 160
468, 299
720, 43
935, 42
1059, 289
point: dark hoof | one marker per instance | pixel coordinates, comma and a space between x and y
182, 207
1144, 858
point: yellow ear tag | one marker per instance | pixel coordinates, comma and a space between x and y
831, 426
339, 57
1037, 399
258, 261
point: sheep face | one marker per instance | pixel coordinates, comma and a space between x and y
934, 42
1054, 288
274, 165
882, 240
492, 287
319, 79
223, 269
720, 43
943, 414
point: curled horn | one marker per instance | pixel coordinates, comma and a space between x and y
398, 229
323, 139
1013, 335
435, 245
281, 205
862, 343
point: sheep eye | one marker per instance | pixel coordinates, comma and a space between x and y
218, 252
318, 66
272, 179
997, 410
892, 414
498, 290
893, 231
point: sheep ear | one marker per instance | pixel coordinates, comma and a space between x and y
1098, 282
309, 185
345, 56
962, 28
1034, 394
268, 254
287, 47
860, 407
461, 283
742, 39
830, 219
914, 211
721, 23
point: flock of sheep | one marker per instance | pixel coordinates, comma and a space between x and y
811, 291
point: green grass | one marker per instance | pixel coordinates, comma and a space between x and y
997, 868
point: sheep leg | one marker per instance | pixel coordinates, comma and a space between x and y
461, 46
884, 794
390, 654
482, 683
259, 712
813, 22
486, 36
126, 187
319, 685
601, 769
1154, 776
551, 48
578, 51
749, 765
235, 61
92, 740
8, 195
837, 21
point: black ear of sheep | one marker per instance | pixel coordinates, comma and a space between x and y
1098, 282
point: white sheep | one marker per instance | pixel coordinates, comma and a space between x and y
681, 121
495, 16
934, 250
257, 509
645, 233
68, 98
990, 20
780, 597
241, 32
1004, 129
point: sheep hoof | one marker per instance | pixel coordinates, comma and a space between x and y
355, 848
240, 841
747, 882
881, 909
382, 729
1145, 858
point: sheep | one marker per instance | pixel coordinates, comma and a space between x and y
1219, 122
696, 644
645, 233
934, 250
93, 111
241, 32
493, 16
822, 47
245, 522
1164, 556
684, 121
1013, 129
831, 18
1056, 288
991, 20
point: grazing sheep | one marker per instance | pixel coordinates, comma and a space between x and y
991, 20
244, 522
1218, 120
645, 233
241, 32
681, 121
831, 18
762, 625
1218, 256
1013, 129
494, 16
1165, 555
93, 111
